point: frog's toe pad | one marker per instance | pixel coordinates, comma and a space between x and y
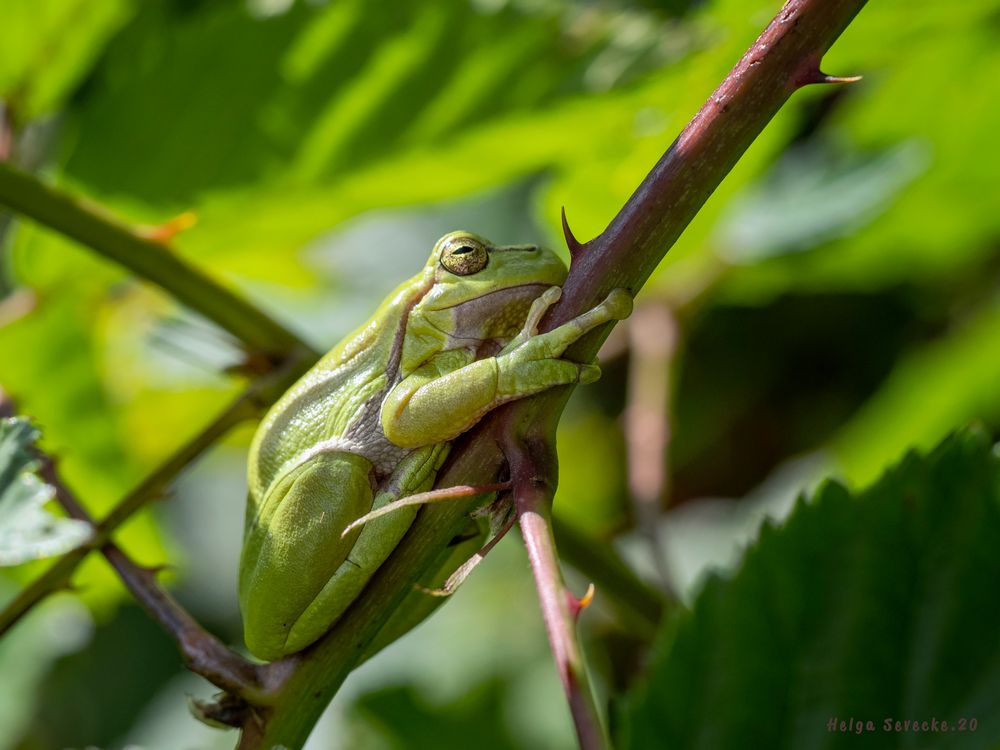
589, 373
618, 304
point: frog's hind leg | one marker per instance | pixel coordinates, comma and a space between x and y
294, 546
426, 498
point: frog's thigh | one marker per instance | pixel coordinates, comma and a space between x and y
295, 547
376, 542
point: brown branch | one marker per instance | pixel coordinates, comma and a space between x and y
203, 653
784, 57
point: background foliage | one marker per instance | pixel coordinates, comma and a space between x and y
837, 303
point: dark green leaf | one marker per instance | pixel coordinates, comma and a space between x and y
873, 606
410, 720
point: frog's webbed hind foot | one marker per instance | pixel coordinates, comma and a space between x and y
457, 578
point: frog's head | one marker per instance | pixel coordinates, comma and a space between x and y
482, 291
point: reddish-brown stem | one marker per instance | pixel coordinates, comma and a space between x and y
533, 500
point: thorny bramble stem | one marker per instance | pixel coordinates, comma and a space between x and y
531, 470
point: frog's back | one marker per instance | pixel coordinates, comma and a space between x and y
335, 405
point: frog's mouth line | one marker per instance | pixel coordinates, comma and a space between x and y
515, 292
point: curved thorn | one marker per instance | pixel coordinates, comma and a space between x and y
165, 232
571, 242
576, 606
815, 75
824, 78
153, 571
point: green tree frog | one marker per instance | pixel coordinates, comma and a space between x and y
372, 422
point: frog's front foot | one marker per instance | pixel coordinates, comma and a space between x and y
616, 306
551, 345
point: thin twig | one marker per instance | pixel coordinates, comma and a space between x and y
259, 394
533, 493
203, 653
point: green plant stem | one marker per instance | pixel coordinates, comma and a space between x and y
150, 259
785, 57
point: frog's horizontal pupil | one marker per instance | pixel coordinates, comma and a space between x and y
465, 259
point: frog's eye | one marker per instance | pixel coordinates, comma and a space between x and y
464, 256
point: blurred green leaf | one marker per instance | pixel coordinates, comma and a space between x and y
27, 530
869, 607
48, 46
62, 386
409, 721
949, 381
48, 633
813, 195
931, 79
